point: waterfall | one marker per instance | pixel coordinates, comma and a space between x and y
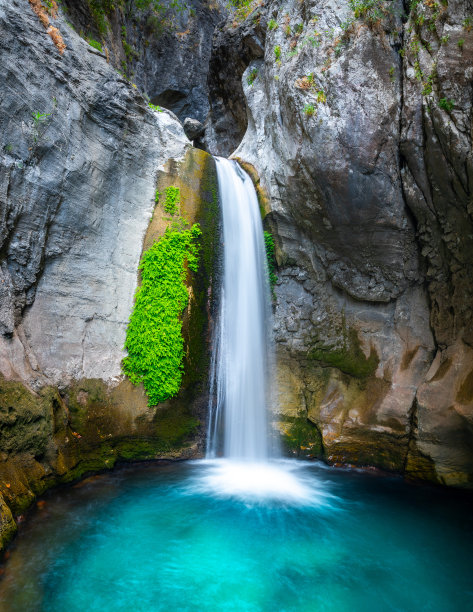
241, 352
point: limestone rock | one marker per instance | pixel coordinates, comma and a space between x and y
193, 129
360, 132
165, 53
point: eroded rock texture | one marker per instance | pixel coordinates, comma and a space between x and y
165, 52
359, 127
82, 156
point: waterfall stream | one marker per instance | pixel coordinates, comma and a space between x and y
241, 354
243, 462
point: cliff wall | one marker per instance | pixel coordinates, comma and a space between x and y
357, 119
82, 158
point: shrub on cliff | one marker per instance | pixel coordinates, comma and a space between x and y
154, 336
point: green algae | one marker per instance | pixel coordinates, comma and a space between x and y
348, 358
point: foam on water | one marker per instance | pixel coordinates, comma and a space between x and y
280, 481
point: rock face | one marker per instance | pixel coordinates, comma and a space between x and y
355, 122
82, 158
358, 123
78, 191
165, 52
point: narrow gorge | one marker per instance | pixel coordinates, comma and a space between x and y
353, 119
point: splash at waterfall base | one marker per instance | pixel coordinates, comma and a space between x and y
150, 538
277, 481
243, 362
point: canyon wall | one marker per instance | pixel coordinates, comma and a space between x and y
357, 119
354, 120
82, 158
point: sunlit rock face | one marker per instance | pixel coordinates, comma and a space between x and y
78, 189
350, 126
82, 157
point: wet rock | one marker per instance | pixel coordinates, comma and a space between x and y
193, 129
365, 153
165, 53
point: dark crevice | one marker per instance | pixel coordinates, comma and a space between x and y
412, 415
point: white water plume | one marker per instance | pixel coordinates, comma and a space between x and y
241, 356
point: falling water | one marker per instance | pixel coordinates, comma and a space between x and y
241, 356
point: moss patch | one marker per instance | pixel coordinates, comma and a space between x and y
26, 418
348, 358
7, 524
301, 437
154, 340
269, 248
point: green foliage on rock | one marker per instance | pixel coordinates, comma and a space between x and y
309, 110
100, 9
171, 202
348, 358
371, 11
252, 76
301, 437
269, 247
154, 336
446, 104
95, 44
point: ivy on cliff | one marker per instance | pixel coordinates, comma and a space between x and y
154, 336
269, 247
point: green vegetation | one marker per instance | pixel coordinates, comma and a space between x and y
100, 9
348, 358
95, 44
155, 108
172, 199
252, 76
244, 8
369, 10
446, 104
461, 42
161, 17
269, 247
301, 436
272, 24
38, 120
429, 83
321, 97
309, 110
277, 52
154, 336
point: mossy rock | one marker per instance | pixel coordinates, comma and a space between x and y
348, 358
263, 196
8, 526
301, 437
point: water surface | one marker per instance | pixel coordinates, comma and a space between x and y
170, 537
